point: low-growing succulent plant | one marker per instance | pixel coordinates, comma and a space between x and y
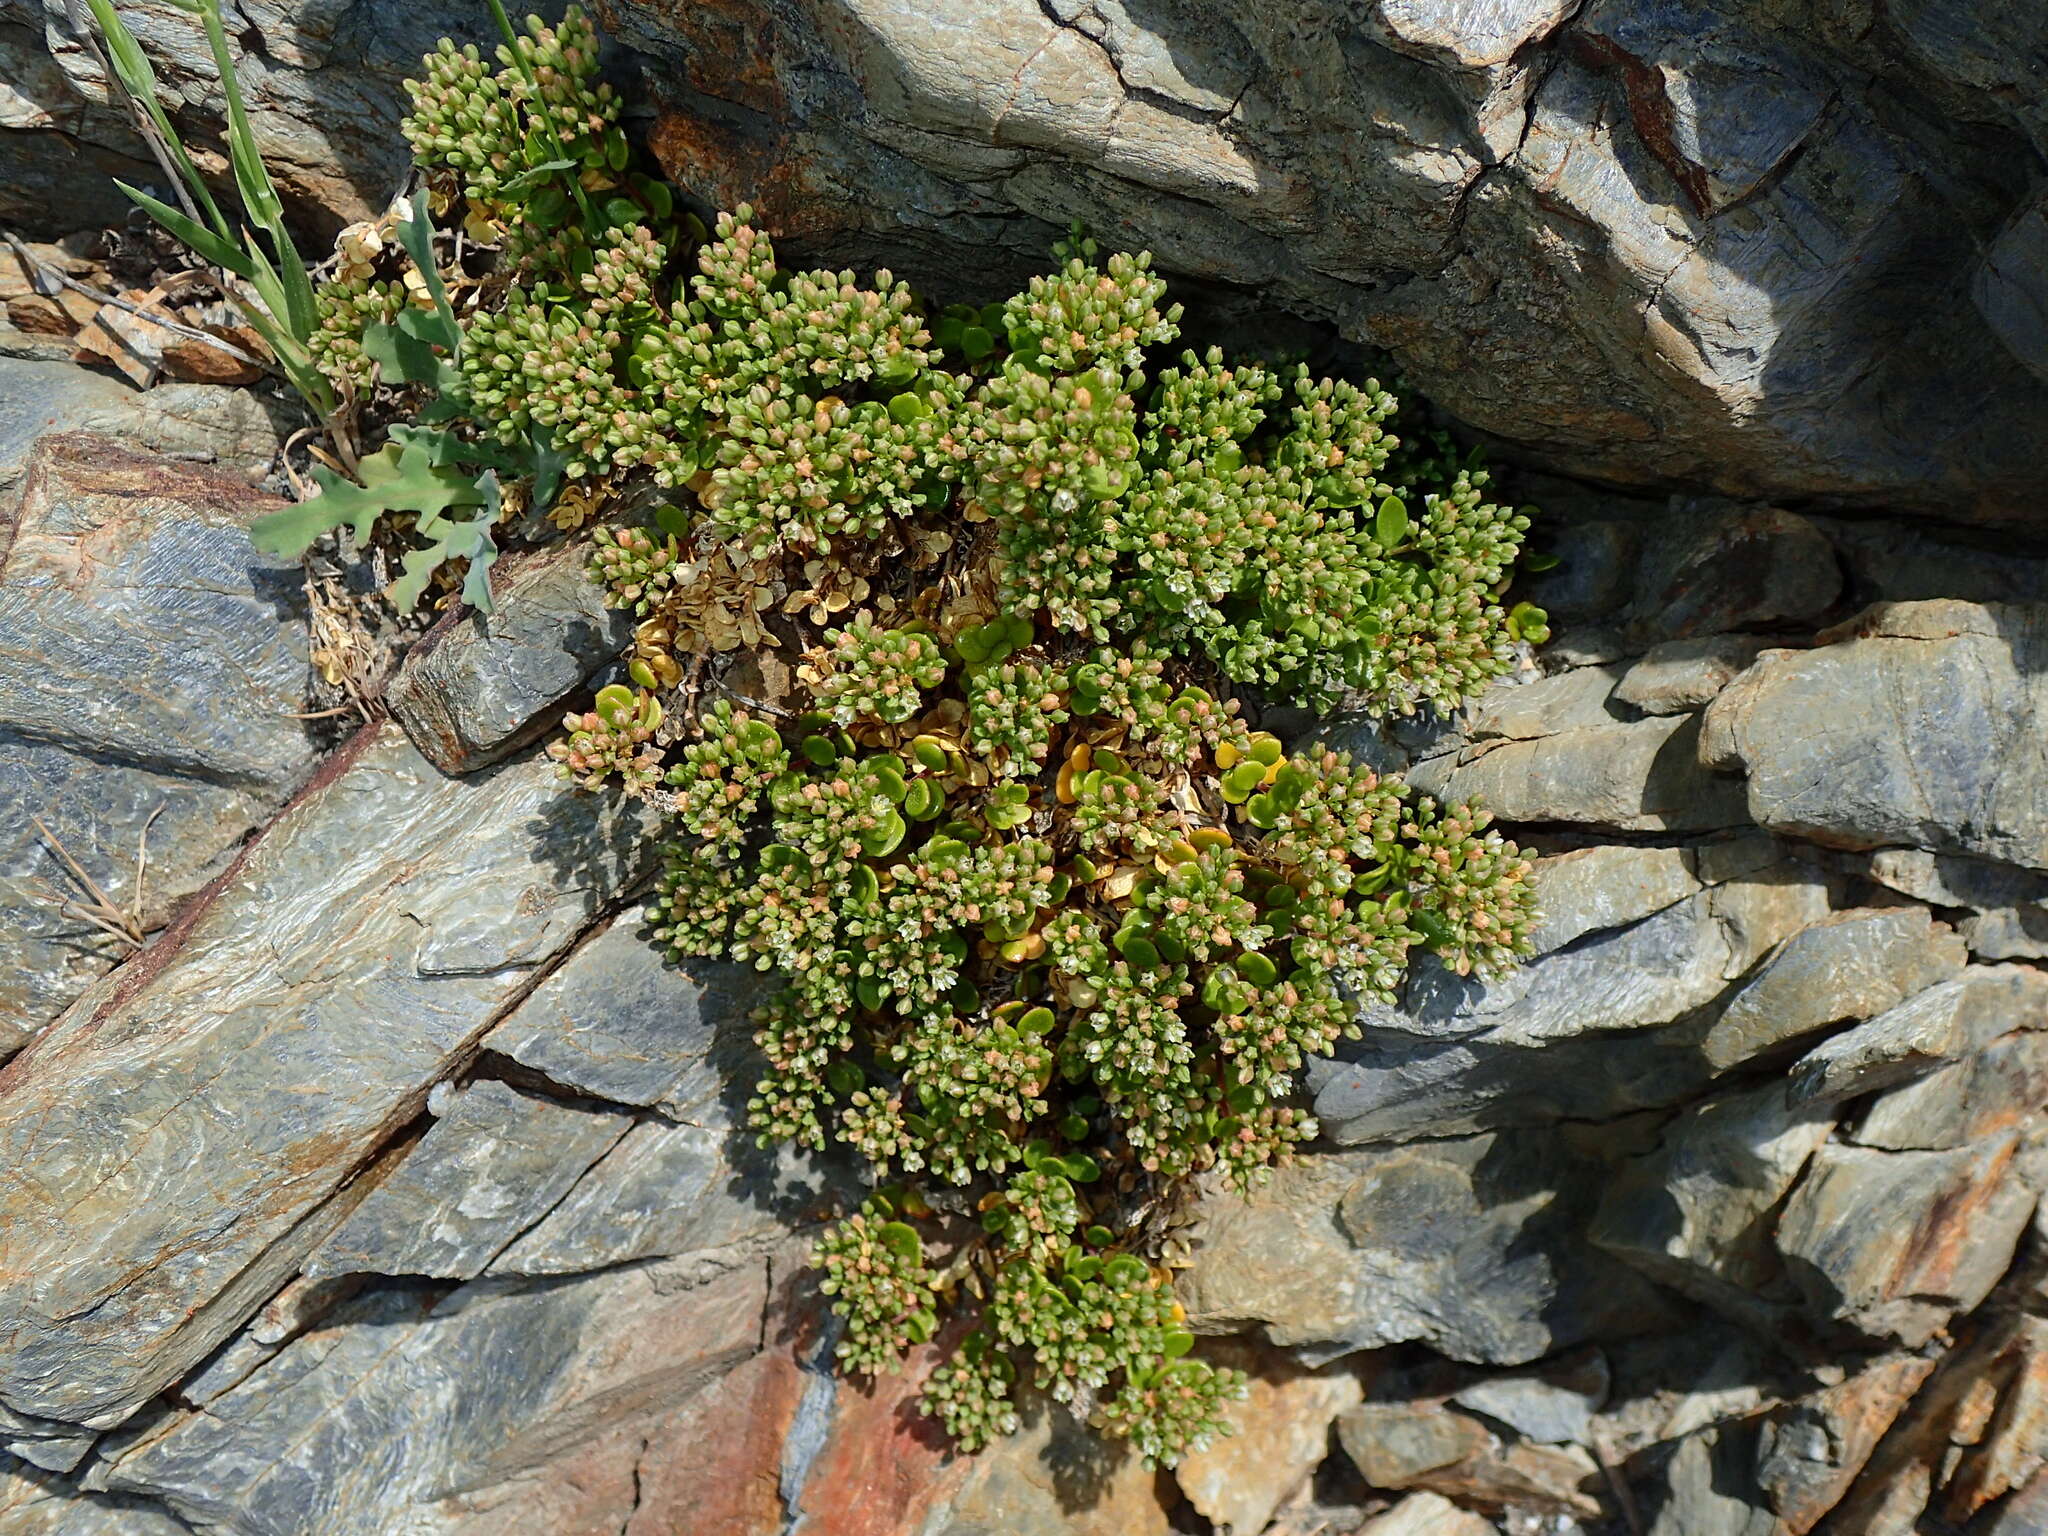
871, 673
875, 1272
723, 775
633, 566
1018, 956
1054, 927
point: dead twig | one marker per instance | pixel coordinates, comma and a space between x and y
693, 684
300, 490
761, 704
346, 655
1623, 1498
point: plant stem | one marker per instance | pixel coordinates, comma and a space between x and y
540, 110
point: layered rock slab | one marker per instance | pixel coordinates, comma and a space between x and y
150, 664
1473, 1246
42, 397
1611, 1019
1894, 1243
1695, 1213
495, 1162
1922, 727
1633, 776
362, 1430
479, 686
1278, 1435
617, 1020
169, 1144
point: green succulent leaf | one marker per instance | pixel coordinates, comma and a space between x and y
1390, 525
901, 1239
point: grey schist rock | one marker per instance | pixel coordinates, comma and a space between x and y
35, 1503
174, 1143
154, 662
667, 1190
235, 430
1473, 1246
479, 686
2008, 917
1849, 965
1694, 1214
1708, 1487
1631, 776
1996, 1090
1551, 1407
619, 1020
1923, 725
1922, 1035
1715, 566
1680, 676
1594, 889
1611, 1020
1892, 1244
493, 1163
364, 1430
1551, 256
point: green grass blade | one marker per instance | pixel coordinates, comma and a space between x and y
252, 179
132, 67
537, 104
294, 308
204, 243
300, 312
264, 278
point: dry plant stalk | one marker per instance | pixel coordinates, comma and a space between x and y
123, 923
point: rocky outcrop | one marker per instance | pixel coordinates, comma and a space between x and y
397, 1182
190, 423
1813, 1099
324, 88
479, 686
1918, 726
1474, 1246
1664, 243
198, 1111
1756, 245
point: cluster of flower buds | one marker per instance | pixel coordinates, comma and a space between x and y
695, 902
345, 306
1083, 315
1468, 887
879, 1283
877, 674
614, 736
801, 1046
720, 781
1175, 1410
969, 1393
633, 566
1012, 708
490, 126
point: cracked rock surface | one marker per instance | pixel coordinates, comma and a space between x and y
399, 1183
1775, 247
395, 1183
